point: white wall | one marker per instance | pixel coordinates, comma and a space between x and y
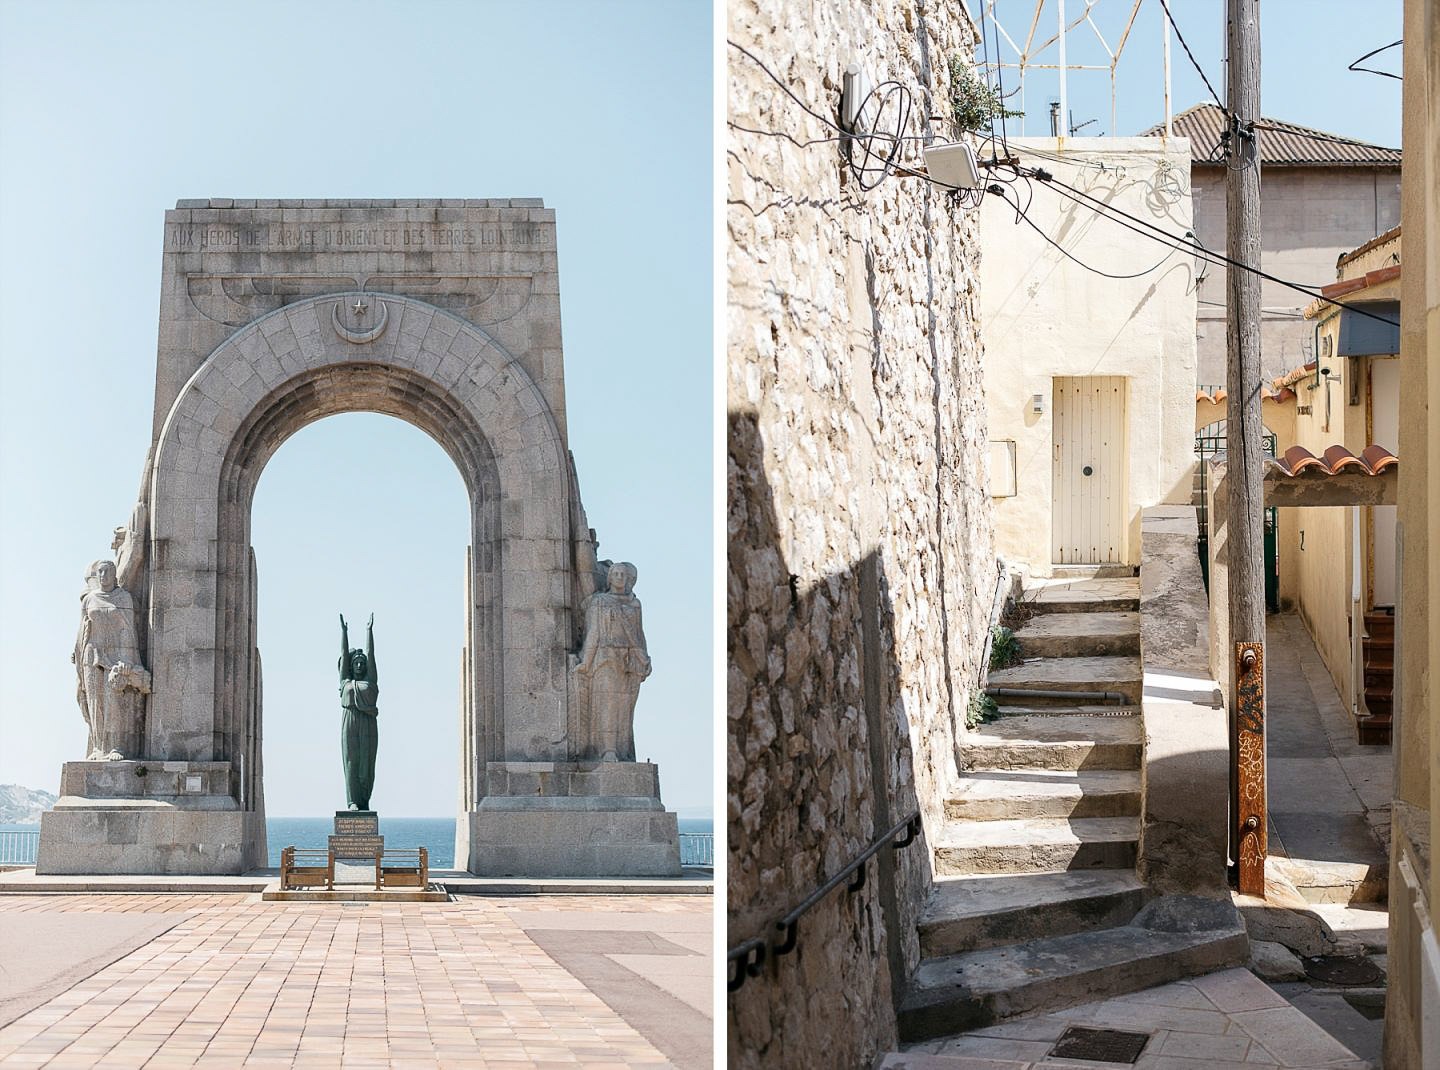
1043, 316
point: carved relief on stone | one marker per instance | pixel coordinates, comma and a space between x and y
237, 299
612, 663
111, 681
360, 320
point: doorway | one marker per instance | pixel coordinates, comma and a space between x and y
1088, 525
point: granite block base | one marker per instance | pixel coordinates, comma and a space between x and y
573, 819
161, 818
148, 838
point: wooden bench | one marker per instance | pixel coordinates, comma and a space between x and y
402, 869
303, 867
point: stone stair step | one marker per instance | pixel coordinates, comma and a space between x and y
1036, 846
1059, 738
1090, 572
1016, 794
1063, 635
1121, 674
971, 913
1062, 595
1170, 938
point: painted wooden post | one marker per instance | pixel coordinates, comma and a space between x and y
1244, 429
1250, 723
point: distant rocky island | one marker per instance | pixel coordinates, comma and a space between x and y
23, 806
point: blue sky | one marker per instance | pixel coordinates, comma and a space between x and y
111, 112
1305, 47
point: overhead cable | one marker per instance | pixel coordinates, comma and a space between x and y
1193, 61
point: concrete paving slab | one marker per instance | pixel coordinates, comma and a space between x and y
1371, 775
694, 988
1188, 1026
1367, 923
1309, 785
460, 983
1319, 836
48, 952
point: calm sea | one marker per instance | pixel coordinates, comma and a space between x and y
435, 833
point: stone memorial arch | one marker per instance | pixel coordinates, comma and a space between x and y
276, 314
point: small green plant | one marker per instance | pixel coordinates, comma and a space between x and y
980, 709
974, 105
1004, 648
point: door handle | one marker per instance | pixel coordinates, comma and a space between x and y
1087, 470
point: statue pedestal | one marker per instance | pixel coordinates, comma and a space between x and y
571, 819
357, 834
169, 818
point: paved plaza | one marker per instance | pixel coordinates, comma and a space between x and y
226, 980
1228, 1020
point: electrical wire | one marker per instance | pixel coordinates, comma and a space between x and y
864, 167
1371, 70
1116, 215
1164, 4
1000, 84
831, 123
999, 191
1157, 233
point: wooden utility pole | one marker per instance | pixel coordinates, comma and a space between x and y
1245, 463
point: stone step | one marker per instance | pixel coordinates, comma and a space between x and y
1061, 595
964, 848
1120, 674
1060, 738
1170, 938
1066, 635
971, 913
1090, 572
1015, 794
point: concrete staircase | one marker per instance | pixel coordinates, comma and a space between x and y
1036, 904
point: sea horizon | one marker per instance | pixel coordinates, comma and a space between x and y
436, 834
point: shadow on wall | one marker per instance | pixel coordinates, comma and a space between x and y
819, 764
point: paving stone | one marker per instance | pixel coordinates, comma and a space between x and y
239, 981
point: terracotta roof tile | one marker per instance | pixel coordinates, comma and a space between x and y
1281, 144
1267, 393
1373, 460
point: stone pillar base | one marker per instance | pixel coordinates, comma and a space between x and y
573, 819
161, 818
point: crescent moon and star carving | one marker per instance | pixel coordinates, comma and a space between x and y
361, 311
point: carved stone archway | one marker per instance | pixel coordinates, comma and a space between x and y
270, 379
288, 346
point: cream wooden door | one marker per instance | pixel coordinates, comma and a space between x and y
1088, 517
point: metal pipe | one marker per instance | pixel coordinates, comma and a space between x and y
748, 959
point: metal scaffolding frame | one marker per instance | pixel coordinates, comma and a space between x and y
1030, 55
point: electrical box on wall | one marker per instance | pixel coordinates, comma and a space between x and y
953, 165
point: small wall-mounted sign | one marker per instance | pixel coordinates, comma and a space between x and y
194, 784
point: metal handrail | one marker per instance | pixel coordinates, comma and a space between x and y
748, 958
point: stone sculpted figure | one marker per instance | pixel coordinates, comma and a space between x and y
612, 663
359, 730
111, 682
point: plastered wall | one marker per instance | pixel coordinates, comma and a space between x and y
1046, 316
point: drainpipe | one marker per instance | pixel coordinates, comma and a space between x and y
1357, 615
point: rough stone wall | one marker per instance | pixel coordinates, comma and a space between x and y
861, 568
